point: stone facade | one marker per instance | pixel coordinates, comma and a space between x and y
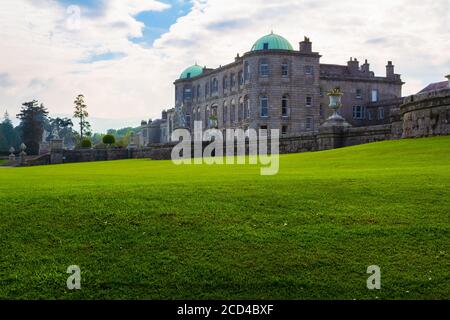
280, 89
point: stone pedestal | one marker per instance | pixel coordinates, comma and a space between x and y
56, 151
332, 133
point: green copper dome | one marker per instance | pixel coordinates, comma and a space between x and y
272, 42
192, 72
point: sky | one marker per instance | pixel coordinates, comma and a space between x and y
124, 55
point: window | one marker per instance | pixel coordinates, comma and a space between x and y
206, 89
309, 101
198, 92
246, 107
225, 113
284, 130
309, 70
241, 78
285, 106
189, 75
374, 95
309, 123
233, 80
214, 86
187, 94
359, 93
241, 109
321, 92
266, 46
199, 116
285, 69
264, 103
264, 69
188, 119
369, 115
358, 112
246, 71
381, 114
233, 112
225, 83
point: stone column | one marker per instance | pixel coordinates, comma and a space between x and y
23, 154
56, 151
12, 156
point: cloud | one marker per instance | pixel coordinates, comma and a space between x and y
45, 56
5, 80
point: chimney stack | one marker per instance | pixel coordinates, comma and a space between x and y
390, 73
365, 68
448, 77
353, 66
306, 46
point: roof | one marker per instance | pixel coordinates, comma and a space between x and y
192, 72
272, 42
435, 86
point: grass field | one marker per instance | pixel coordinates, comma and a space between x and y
144, 229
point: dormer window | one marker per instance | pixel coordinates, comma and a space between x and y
266, 46
188, 75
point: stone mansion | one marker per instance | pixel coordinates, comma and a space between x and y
274, 86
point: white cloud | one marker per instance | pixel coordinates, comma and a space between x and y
43, 58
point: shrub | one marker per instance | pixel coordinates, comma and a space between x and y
86, 143
109, 139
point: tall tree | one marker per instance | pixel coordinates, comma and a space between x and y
9, 135
32, 118
82, 114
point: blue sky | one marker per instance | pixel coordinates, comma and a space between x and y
156, 23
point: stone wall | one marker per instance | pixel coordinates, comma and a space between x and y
426, 114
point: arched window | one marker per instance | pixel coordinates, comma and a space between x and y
285, 106
199, 114
264, 106
246, 108
233, 111
225, 113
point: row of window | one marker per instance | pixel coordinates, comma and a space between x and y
360, 113
243, 109
374, 94
230, 81
264, 70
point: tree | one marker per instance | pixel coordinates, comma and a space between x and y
8, 135
109, 139
32, 117
64, 127
82, 114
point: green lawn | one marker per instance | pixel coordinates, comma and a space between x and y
144, 229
